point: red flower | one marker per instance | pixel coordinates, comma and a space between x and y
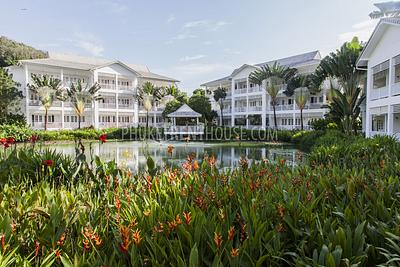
103, 138
34, 138
47, 162
11, 140
6, 145
3, 141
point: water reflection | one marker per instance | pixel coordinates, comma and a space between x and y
133, 154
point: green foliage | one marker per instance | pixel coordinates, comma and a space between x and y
10, 97
322, 124
171, 106
11, 52
342, 209
200, 103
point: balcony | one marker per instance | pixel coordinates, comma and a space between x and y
395, 89
240, 109
107, 105
255, 89
50, 125
70, 105
74, 125
256, 108
125, 106
282, 107
107, 86
126, 88
379, 93
37, 103
240, 91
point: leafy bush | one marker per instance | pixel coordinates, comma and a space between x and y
323, 124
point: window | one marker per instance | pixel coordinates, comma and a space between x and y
397, 69
283, 101
50, 118
321, 99
378, 123
380, 75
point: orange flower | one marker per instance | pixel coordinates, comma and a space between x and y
3, 242
170, 149
178, 219
136, 238
231, 233
58, 254
117, 203
146, 213
280, 228
234, 252
195, 165
124, 232
281, 211
282, 161
217, 239
211, 161
188, 217
37, 248
133, 223
159, 228
86, 245
382, 164
60, 241
231, 192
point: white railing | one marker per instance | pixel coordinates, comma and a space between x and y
125, 106
193, 129
228, 93
312, 106
125, 87
240, 109
240, 91
107, 124
75, 125
379, 93
395, 90
69, 104
50, 125
107, 86
107, 105
256, 108
255, 89
282, 107
373, 133
34, 103
227, 110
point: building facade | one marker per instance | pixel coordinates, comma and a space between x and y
381, 59
118, 81
248, 105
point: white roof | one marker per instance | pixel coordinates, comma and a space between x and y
376, 36
184, 112
90, 63
292, 62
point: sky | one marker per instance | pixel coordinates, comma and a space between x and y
190, 40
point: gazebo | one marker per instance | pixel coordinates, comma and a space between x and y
184, 112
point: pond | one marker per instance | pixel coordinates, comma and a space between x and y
132, 154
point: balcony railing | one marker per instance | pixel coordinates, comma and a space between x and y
126, 87
37, 103
74, 125
240, 109
282, 107
69, 104
255, 89
107, 86
107, 124
379, 93
256, 108
125, 106
107, 105
240, 91
395, 89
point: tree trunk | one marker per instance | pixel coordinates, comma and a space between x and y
222, 115
147, 120
45, 119
275, 122
79, 121
301, 119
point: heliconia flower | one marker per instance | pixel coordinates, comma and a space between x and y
382, 164
159, 228
234, 252
188, 217
117, 203
3, 141
146, 213
170, 149
211, 161
13, 225
34, 138
103, 138
217, 239
60, 241
282, 161
37, 248
136, 237
280, 211
3, 242
124, 232
11, 140
133, 223
231, 233
86, 245
6, 145
178, 219
58, 254
280, 228
195, 165
47, 162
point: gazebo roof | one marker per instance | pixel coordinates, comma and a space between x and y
184, 112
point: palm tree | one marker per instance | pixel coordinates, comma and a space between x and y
219, 97
48, 89
299, 86
79, 95
275, 77
149, 94
348, 94
301, 96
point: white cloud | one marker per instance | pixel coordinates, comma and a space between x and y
190, 58
207, 25
87, 42
362, 30
181, 36
171, 18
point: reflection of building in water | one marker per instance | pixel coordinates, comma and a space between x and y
133, 155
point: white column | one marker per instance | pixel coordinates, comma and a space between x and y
116, 98
264, 110
390, 120
233, 104
294, 114
391, 76
247, 102
27, 93
96, 104
62, 102
135, 103
367, 111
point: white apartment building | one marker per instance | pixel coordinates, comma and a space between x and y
381, 59
118, 82
248, 105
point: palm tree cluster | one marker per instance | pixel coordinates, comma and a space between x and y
50, 89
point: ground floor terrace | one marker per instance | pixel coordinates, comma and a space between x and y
383, 120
